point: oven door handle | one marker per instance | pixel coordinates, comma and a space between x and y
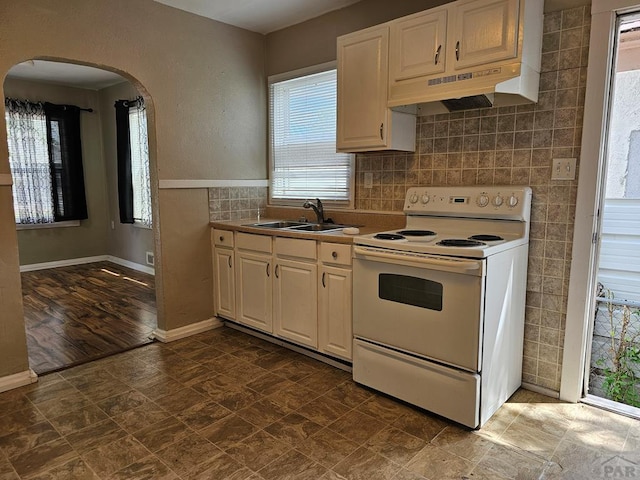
424, 260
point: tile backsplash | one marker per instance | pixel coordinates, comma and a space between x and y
236, 203
510, 145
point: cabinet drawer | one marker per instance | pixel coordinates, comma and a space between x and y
222, 238
295, 247
336, 253
258, 243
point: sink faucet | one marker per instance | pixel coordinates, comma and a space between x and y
317, 208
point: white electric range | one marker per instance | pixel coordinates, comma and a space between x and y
439, 305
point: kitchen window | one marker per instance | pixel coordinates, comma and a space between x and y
303, 159
45, 157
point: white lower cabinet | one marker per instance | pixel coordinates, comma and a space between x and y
224, 294
254, 282
295, 289
334, 312
295, 304
295, 297
334, 300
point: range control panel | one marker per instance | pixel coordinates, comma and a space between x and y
507, 202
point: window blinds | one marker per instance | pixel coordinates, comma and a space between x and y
304, 162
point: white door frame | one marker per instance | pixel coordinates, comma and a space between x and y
594, 136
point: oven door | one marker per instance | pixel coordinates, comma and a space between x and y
426, 305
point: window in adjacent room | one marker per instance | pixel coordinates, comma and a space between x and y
134, 184
303, 159
45, 157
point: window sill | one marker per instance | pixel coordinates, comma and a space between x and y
37, 226
141, 225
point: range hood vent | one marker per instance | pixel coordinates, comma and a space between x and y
468, 103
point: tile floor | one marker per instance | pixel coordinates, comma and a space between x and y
225, 405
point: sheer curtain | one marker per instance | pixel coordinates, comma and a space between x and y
140, 162
29, 161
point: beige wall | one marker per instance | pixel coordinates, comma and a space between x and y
124, 240
205, 90
314, 42
89, 239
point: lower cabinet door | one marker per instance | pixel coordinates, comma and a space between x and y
296, 301
254, 290
334, 322
224, 288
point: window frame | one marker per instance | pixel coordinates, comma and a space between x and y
302, 72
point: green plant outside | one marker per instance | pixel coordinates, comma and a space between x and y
620, 381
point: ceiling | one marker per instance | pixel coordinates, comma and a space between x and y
66, 74
266, 16
262, 16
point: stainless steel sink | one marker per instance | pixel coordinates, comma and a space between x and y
278, 224
294, 226
318, 227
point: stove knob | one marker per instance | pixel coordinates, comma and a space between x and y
425, 199
483, 200
513, 201
498, 200
413, 198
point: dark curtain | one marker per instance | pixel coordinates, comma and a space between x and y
65, 158
125, 183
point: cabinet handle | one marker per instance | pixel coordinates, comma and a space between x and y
323, 284
268, 267
334, 255
229, 258
458, 50
381, 127
221, 238
438, 54
276, 271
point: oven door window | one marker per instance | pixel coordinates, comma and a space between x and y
418, 292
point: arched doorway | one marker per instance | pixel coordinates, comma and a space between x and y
92, 303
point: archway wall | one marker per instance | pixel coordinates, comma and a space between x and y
205, 83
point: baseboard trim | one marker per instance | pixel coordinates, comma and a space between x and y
334, 362
132, 265
18, 380
542, 390
84, 260
166, 336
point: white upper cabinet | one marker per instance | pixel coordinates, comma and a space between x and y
467, 48
484, 31
362, 88
418, 45
365, 122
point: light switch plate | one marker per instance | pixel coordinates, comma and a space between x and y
563, 169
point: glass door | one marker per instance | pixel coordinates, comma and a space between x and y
613, 378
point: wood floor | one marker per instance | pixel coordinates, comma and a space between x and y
84, 312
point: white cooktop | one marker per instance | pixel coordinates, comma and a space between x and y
459, 213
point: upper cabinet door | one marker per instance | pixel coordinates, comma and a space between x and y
417, 46
362, 88
485, 31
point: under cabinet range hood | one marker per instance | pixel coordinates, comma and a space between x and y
489, 54
483, 91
